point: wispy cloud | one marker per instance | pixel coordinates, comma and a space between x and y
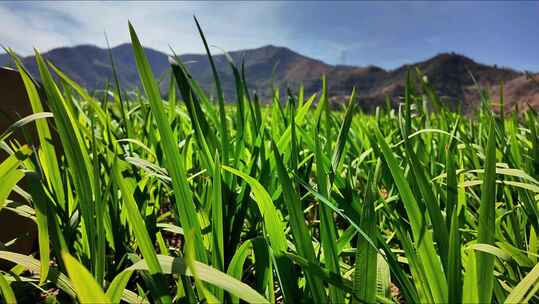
51, 24
360, 33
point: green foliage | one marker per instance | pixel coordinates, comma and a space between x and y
192, 199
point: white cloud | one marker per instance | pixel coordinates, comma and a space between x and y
20, 33
230, 25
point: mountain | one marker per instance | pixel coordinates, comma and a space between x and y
449, 73
262, 67
90, 65
454, 77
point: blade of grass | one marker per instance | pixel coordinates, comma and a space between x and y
88, 290
519, 292
141, 235
299, 229
76, 153
220, 97
487, 218
184, 201
46, 152
425, 248
117, 286
177, 265
365, 273
275, 228
440, 232
7, 292
10, 174
217, 222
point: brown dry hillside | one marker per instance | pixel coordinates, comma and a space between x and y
522, 91
451, 77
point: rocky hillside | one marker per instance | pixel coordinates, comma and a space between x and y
271, 66
521, 92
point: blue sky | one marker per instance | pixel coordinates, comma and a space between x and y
387, 34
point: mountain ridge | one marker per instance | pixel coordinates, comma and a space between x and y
449, 73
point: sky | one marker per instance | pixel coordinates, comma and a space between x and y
386, 34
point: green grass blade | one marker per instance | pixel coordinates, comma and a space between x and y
343, 132
192, 97
271, 216
47, 154
75, 150
440, 232
28, 262
299, 229
7, 292
217, 222
454, 274
40, 202
184, 201
487, 217
383, 278
365, 273
94, 104
220, 96
123, 111
141, 234
328, 232
10, 173
425, 246
519, 292
88, 290
332, 278
235, 268
454, 220
177, 265
275, 229
117, 286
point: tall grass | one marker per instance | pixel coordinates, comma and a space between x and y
189, 199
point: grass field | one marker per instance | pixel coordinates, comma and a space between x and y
190, 200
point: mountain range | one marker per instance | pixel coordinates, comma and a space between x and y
453, 76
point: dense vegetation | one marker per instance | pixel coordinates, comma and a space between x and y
187, 199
